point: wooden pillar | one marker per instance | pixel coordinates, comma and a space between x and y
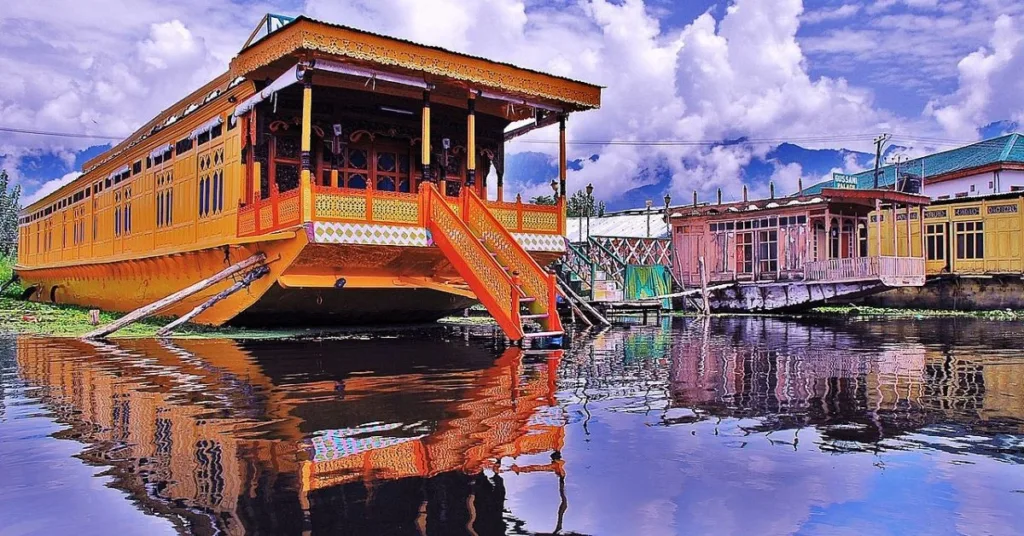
920, 221
425, 139
878, 227
910, 242
471, 142
895, 235
828, 234
307, 123
562, 163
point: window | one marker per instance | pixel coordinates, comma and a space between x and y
970, 240
745, 253
768, 251
137, 167
935, 241
184, 145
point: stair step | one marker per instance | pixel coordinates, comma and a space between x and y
533, 317
527, 299
539, 334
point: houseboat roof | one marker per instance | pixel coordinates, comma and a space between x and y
866, 198
303, 39
1003, 152
619, 226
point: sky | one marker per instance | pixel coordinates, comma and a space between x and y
826, 76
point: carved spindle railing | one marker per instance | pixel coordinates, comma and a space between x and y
491, 284
534, 280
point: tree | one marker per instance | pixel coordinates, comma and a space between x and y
581, 204
9, 204
544, 200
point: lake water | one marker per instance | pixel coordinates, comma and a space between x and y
727, 426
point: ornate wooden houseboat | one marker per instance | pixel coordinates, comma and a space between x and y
356, 163
780, 253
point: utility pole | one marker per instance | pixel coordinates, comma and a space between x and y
879, 142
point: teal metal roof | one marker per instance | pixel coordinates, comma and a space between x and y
1007, 148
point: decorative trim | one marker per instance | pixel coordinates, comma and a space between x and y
541, 242
370, 234
306, 34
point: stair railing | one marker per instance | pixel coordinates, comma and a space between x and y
492, 285
534, 280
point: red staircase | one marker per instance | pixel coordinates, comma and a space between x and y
504, 277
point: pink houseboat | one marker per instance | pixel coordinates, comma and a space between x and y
780, 253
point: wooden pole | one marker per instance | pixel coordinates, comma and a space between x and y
471, 142
562, 162
246, 280
576, 312
692, 292
425, 138
147, 310
305, 146
586, 306
704, 285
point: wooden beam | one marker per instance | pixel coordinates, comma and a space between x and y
147, 310
246, 280
566, 291
576, 312
547, 120
704, 286
692, 292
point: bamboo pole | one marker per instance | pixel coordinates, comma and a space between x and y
246, 280
147, 310
691, 292
586, 306
704, 285
576, 312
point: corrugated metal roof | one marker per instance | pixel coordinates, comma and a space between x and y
627, 226
1007, 148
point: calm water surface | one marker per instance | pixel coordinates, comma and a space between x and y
731, 426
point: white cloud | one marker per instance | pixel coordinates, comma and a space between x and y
844, 11
49, 187
987, 77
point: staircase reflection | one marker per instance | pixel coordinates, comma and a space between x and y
346, 436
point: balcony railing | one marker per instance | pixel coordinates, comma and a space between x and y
890, 270
348, 205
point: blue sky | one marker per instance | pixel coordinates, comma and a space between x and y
826, 75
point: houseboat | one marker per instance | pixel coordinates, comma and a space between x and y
356, 164
973, 250
780, 253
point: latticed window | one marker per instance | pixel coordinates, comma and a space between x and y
383, 166
745, 253
935, 241
970, 240
768, 251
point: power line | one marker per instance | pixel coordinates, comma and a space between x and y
60, 134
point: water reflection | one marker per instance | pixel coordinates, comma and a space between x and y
724, 426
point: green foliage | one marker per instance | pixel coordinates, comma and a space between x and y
544, 200
583, 204
886, 312
9, 206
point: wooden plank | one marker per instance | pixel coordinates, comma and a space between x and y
576, 312
246, 280
586, 306
147, 310
692, 292
704, 285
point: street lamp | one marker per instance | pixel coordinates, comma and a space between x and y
649, 204
590, 207
668, 200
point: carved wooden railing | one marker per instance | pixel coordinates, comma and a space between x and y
534, 280
488, 280
639, 251
365, 206
865, 268
519, 217
272, 214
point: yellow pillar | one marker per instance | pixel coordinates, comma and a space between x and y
562, 164
307, 122
471, 142
425, 138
